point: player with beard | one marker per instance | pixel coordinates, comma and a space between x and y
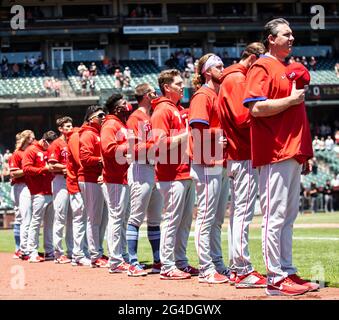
206, 154
114, 148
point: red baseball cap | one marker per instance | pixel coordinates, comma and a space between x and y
296, 71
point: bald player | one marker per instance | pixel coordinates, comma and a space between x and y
281, 144
146, 199
57, 160
235, 121
173, 176
206, 155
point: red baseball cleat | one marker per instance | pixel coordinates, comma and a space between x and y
250, 280
213, 278
174, 274
285, 287
17, 254
100, 263
311, 285
136, 271
62, 260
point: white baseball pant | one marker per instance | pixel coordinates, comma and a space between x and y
62, 217
94, 205
79, 226
279, 188
244, 190
178, 203
145, 197
216, 249
208, 185
23, 203
42, 210
117, 200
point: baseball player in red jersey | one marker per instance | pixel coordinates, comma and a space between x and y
207, 157
90, 179
280, 145
235, 120
173, 176
80, 249
57, 160
114, 147
146, 199
20, 193
38, 179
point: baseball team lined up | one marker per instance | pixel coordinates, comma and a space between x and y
245, 132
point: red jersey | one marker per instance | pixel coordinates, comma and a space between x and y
38, 178
282, 136
113, 148
89, 153
15, 163
140, 123
73, 161
166, 119
234, 117
204, 109
57, 151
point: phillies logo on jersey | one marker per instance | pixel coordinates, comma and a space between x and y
63, 153
147, 127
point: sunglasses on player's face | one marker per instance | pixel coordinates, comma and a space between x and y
99, 115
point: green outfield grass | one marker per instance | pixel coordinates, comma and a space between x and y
315, 250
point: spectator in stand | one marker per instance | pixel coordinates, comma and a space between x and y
313, 63
81, 68
26, 65
119, 78
329, 143
5, 165
336, 69
86, 74
1, 167
322, 144
4, 60
92, 86
302, 198
127, 73
106, 63
314, 197
336, 137
42, 68
304, 62
127, 84
15, 70
48, 86
32, 62
4, 70
315, 143
291, 60
335, 181
56, 85
314, 165
297, 59
328, 196
93, 69
84, 86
